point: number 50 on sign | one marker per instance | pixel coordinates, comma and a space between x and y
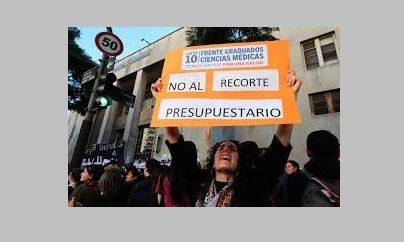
109, 44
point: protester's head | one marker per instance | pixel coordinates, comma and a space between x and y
84, 196
112, 164
132, 175
112, 185
91, 173
224, 157
152, 168
322, 144
291, 166
249, 152
74, 175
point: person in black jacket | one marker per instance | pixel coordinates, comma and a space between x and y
112, 187
142, 194
229, 182
289, 190
323, 168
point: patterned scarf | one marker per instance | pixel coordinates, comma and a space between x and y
214, 199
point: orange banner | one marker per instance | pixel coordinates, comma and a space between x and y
226, 85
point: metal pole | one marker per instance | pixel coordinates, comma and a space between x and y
88, 118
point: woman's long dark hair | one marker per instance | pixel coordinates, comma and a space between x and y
179, 183
95, 171
184, 176
112, 185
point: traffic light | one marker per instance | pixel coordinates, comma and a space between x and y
106, 91
103, 101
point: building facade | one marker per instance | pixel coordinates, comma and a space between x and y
315, 57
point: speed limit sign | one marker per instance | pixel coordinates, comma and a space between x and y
109, 44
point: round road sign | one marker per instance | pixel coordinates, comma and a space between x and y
109, 44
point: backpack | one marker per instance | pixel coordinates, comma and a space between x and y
332, 197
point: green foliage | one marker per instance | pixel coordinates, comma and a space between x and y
221, 35
206, 36
78, 96
78, 63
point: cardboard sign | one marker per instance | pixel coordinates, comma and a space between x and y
226, 85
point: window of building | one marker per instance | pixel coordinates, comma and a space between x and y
310, 54
119, 135
320, 51
127, 110
146, 143
149, 100
325, 102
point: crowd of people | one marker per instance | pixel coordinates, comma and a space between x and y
237, 174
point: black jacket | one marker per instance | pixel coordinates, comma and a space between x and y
328, 171
289, 191
142, 193
255, 184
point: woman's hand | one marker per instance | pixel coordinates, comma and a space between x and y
292, 81
173, 133
156, 87
284, 131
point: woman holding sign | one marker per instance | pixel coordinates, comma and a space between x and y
229, 184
